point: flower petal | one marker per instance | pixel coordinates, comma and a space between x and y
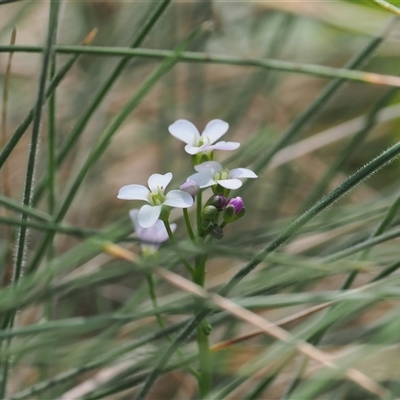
184, 130
150, 235
148, 215
133, 192
135, 222
193, 149
242, 173
159, 232
178, 198
202, 179
230, 183
158, 180
190, 187
208, 167
214, 130
227, 146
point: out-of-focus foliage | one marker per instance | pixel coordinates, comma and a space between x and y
79, 324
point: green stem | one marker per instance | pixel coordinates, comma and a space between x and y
188, 225
172, 238
205, 376
198, 212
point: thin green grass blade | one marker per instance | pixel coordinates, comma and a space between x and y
313, 109
15, 138
344, 73
349, 148
8, 321
150, 20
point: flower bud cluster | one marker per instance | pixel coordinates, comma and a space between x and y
231, 210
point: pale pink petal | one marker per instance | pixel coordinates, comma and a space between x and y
208, 167
160, 234
241, 173
202, 179
155, 233
158, 180
193, 149
148, 215
184, 130
133, 192
227, 146
214, 130
134, 218
230, 183
178, 198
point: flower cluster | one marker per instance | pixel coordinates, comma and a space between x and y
151, 221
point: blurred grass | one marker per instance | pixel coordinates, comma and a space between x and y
85, 327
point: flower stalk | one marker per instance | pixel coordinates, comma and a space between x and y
152, 225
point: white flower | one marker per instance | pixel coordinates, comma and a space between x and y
211, 173
196, 143
152, 237
156, 198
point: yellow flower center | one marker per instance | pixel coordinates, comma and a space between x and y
221, 175
157, 197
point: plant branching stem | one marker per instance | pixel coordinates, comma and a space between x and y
188, 225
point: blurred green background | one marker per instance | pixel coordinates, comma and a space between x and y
73, 279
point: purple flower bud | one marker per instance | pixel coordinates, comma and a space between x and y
237, 203
218, 201
190, 187
234, 209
